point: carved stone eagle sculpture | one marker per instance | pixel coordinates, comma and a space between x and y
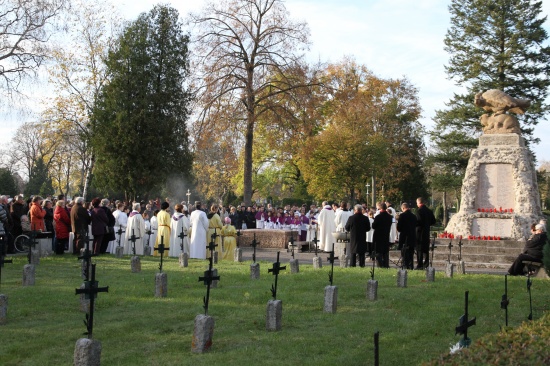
499, 102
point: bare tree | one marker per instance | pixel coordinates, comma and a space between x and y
243, 50
24, 35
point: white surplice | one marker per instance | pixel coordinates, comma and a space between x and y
199, 229
179, 222
135, 226
326, 228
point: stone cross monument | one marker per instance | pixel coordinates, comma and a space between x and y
500, 195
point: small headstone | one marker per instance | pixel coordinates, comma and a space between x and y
372, 290
84, 302
28, 274
294, 266
136, 264
214, 282
119, 251
344, 260
461, 267
87, 352
3, 309
449, 269
184, 260
255, 271
430, 274
202, 333
35, 257
274, 315
147, 250
317, 262
238, 255
331, 297
215, 257
402, 278
161, 285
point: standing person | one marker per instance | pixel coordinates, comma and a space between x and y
80, 219
163, 234
62, 227
121, 221
424, 219
154, 229
214, 225
110, 231
47, 205
260, 218
136, 226
304, 223
4, 225
326, 228
99, 224
341, 216
229, 234
37, 214
199, 229
381, 237
251, 216
406, 225
533, 251
358, 225
370, 234
17, 210
393, 231
179, 224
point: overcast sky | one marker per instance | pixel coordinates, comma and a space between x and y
393, 38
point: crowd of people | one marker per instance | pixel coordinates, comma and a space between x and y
184, 228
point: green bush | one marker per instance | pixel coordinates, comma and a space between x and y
529, 344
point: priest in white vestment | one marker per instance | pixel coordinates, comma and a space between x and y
180, 224
199, 229
326, 227
121, 221
135, 226
154, 230
341, 217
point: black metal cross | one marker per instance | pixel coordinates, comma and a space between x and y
404, 255
31, 242
291, 244
450, 246
3, 259
182, 236
464, 323
505, 301
148, 232
161, 249
254, 244
119, 232
530, 269
460, 248
275, 271
376, 348
133, 239
432, 248
91, 290
331, 260
207, 280
315, 241
212, 246
373, 262
86, 256
237, 239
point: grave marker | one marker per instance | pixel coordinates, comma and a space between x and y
331, 292
274, 307
161, 279
88, 351
464, 324
3, 298
119, 250
254, 267
238, 254
430, 271
147, 247
461, 268
449, 267
505, 301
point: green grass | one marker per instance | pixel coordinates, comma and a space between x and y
416, 323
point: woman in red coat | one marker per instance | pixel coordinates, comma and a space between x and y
37, 214
62, 227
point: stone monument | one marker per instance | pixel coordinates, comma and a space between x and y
500, 195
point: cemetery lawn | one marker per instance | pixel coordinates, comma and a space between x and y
416, 323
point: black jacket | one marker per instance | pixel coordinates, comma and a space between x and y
358, 225
406, 225
424, 219
534, 246
382, 227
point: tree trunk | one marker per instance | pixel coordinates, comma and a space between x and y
88, 180
373, 200
444, 209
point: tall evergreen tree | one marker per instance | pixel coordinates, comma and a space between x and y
139, 125
493, 44
7, 183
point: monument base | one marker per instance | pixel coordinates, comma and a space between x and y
87, 352
203, 333
274, 315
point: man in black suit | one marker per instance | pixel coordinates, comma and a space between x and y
381, 237
406, 225
424, 219
358, 225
